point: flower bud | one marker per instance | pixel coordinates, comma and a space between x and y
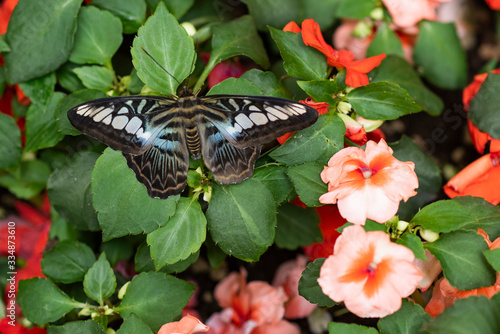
189, 27
429, 235
344, 107
123, 290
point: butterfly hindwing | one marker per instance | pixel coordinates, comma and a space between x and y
122, 123
228, 164
163, 167
250, 121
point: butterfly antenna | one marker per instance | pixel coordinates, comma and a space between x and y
191, 69
163, 68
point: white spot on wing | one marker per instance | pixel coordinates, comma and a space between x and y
119, 122
276, 112
299, 108
134, 124
243, 121
141, 106
258, 118
82, 109
100, 116
234, 104
107, 120
271, 117
253, 107
123, 110
93, 111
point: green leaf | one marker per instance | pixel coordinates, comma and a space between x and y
10, 142
318, 143
321, 90
309, 287
119, 249
235, 86
41, 128
307, 181
300, 61
4, 47
428, 173
3, 80
242, 219
235, 38
460, 255
297, 227
134, 325
77, 327
338, 327
68, 79
100, 281
182, 235
382, 100
42, 301
359, 9
266, 81
179, 7
414, 243
407, 320
385, 41
40, 89
276, 180
68, 261
28, 179
132, 13
169, 44
440, 55
321, 10
122, 202
273, 12
98, 37
460, 213
95, 77
69, 191
155, 298
144, 262
483, 111
493, 258
397, 70
465, 316
215, 255
68, 102
40, 36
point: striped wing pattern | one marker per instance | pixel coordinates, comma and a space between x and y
157, 134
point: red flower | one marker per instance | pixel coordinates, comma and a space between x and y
17, 328
494, 4
6, 8
321, 107
356, 69
479, 138
481, 179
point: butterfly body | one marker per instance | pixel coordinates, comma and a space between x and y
157, 134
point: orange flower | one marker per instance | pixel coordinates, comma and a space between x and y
354, 131
368, 184
494, 4
369, 273
445, 295
255, 308
287, 276
6, 327
6, 9
479, 138
355, 69
408, 13
187, 325
481, 179
321, 107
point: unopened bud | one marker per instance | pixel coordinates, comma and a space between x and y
429, 235
344, 107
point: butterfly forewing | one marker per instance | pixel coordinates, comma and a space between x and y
255, 120
157, 134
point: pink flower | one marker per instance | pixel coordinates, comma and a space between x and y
408, 13
369, 273
368, 184
287, 276
187, 325
430, 267
255, 308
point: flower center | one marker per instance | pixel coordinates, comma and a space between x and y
366, 171
371, 268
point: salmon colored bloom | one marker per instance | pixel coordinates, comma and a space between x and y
256, 308
368, 184
479, 138
445, 295
480, 179
369, 273
330, 221
430, 267
187, 325
287, 276
494, 4
406, 13
321, 107
355, 69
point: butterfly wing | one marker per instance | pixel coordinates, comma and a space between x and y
123, 123
149, 133
255, 120
228, 164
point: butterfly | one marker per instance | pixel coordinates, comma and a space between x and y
157, 134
